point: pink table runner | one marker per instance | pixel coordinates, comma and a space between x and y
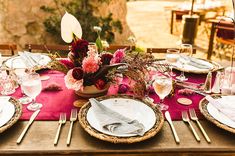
55, 102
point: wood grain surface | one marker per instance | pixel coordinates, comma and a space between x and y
39, 141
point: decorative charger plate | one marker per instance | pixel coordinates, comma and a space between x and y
216, 118
16, 62
13, 118
132, 107
192, 67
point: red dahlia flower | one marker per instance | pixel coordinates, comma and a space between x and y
106, 58
80, 48
77, 73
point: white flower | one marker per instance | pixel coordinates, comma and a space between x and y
132, 39
69, 27
97, 29
105, 44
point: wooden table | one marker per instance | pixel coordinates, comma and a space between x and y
213, 22
39, 141
200, 12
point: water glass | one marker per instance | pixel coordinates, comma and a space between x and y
162, 86
186, 50
32, 86
6, 82
172, 56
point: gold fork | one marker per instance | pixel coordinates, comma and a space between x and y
73, 118
185, 118
193, 116
61, 122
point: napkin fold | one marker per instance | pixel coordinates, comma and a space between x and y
225, 105
115, 122
196, 62
30, 59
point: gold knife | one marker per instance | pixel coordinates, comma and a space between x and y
33, 116
168, 118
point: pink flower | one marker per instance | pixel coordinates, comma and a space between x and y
72, 83
118, 56
69, 64
90, 64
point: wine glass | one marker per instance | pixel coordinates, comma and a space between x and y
172, 56
162, 86
21, 73
186, 50
32, 86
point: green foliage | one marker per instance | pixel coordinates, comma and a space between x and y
83, 11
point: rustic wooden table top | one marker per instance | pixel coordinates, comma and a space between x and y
39, 140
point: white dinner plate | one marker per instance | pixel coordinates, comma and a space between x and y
215, 113
17, 62
7, 110
192, 67
130, 108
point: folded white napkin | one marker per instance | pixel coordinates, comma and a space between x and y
115, 122
196, 62
225, 105
30, 59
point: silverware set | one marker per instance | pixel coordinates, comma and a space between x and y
62, 121
194, 117
187, 119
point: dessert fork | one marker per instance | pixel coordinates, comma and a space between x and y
193, 116
73, 118
185, 118
62, 121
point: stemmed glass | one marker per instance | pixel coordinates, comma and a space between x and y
32, 86
21, 73
172, 56
162, 86
186, 50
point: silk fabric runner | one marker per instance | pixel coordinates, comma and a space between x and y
56, 102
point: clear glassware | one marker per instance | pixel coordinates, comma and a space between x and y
172, 56
185, 51
21, 73
162, 86
32, 86
6, 82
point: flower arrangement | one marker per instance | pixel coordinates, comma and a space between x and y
90, 65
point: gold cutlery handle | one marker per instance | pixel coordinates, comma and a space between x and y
57, 134
70, 133
23, 133
194, 132
203, 132
177, 140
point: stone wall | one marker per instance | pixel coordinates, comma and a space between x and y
21, 21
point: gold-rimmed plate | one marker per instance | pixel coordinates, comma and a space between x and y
15, 116
216, 117
192, 67
143, 111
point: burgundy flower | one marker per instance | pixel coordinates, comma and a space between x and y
106, 58
69, 64
123, 88
77, 73
100, 84
80, 48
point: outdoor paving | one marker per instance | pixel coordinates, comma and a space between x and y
149, 22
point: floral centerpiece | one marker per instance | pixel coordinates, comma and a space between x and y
88, 65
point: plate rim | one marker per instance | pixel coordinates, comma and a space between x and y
216, 66
15, 117
117, 139
89, 110
36, 67
203, 109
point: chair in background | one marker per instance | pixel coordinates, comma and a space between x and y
162, 50
114, 47
225, 39
8, 49
62, 50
